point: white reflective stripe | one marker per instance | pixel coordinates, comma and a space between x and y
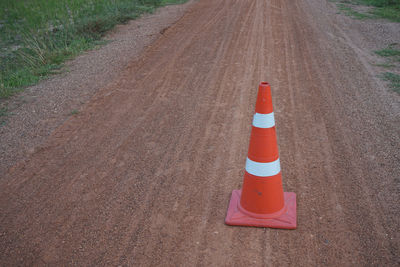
264, 120
263, 169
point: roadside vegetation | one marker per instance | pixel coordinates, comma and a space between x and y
378, 9
391, 55
391, 52
393, 79
3, 115
368, 9
74, 112
38, 36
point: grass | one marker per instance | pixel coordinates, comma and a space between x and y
390, 13
387, 9
74, 112
388, 52
38, 36
392, 55
173, 2
394, 80
385, 65
352, 13
3, 115
391, 52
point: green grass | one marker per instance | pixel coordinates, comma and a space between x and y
3, 115
352, 13
38, 36
390, 52
390, 13
173, 2
385, 65
387, 9
74, 112
394, 80
392, 55
379, 2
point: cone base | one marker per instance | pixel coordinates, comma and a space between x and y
287, 220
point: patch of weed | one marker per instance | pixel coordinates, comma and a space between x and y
388, 52
352, 13
394, 80
390, 13
385, 65
3, 115
173, 2
387, 9
391, 53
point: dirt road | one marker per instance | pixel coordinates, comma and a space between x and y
143, 175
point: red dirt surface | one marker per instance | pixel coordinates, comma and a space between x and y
143, 175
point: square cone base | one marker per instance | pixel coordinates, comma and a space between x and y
285, 221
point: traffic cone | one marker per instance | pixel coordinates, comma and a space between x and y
262, 202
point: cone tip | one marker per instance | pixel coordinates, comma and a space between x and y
264, 100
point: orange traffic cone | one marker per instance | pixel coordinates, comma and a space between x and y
262, 202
